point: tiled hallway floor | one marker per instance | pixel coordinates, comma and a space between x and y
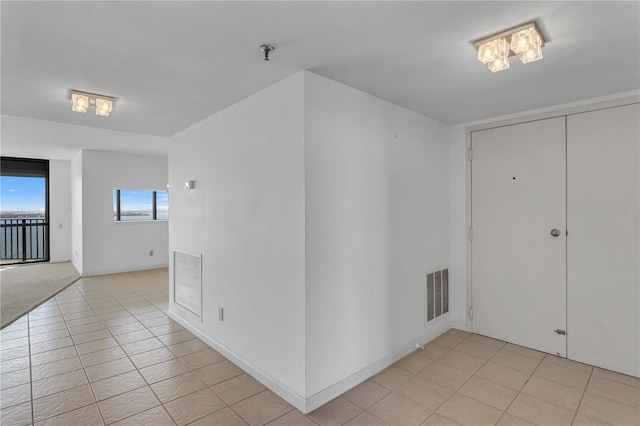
104, 351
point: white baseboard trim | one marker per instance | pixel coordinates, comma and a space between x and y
277, 387
306, 405
461, 326
121, 270
355, 379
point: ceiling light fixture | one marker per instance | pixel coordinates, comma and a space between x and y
524, 41
82, 101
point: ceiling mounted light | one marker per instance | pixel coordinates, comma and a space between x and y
82, 101
495, 53
524, 41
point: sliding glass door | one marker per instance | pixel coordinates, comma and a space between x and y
24, 210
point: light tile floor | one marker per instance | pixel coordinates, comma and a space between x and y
104, 352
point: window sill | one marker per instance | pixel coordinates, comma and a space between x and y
141, 221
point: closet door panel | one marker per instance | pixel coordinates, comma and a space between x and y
519, 243
603, 255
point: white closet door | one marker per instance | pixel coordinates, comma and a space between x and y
603, 279
518, 266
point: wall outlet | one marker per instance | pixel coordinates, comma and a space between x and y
220, 313
150, 252
77, 254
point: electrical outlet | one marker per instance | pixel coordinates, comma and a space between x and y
220, 313
150, 252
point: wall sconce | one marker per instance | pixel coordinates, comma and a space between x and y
524, 41
83, 100
190, 184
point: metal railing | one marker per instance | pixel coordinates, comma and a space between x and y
24, 239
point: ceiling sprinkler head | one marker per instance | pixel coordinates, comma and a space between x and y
266, 49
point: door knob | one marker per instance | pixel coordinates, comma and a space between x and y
555, 232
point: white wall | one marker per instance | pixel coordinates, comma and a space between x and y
76, 213
377, 219
110, 246
60, 210
246, 216
318, 210
62, 144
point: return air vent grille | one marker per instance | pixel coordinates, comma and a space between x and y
187, 281
437, 294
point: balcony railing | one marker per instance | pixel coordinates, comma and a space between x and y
23, 240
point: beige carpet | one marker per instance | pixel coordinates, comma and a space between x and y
23, 287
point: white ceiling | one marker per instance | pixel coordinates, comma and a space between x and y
171, 64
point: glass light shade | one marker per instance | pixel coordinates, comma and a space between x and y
494, 50
531, 55
103, 107
523, 40
80, 102
499, 64
488, 52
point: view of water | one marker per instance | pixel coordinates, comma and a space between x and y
11, 238
35, 234
162, 215
22, 214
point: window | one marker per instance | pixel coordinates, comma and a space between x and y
136, 205
24, 210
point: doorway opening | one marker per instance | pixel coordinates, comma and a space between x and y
24, 210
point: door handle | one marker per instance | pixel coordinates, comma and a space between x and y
555, 232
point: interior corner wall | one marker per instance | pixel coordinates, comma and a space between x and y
245, 216
109, 246
59, 210
76, 212
377, 220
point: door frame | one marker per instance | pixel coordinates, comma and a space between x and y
535, 115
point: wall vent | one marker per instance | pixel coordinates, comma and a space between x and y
437, 294
187, 281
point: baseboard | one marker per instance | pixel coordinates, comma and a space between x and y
306, 405
461, 326
355, 379
123, 270
274, 385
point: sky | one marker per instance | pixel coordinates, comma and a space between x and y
22, 193
141, 200
28, 194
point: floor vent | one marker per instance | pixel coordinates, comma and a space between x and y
187, 281
437, 294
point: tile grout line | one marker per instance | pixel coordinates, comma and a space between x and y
81, 363
607, 398
33, 414
128, 357
179, 358
162, 404
434, 411
84, 369
413, 375
504, 344
472, 375
460, 387
523, 386
586, 386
